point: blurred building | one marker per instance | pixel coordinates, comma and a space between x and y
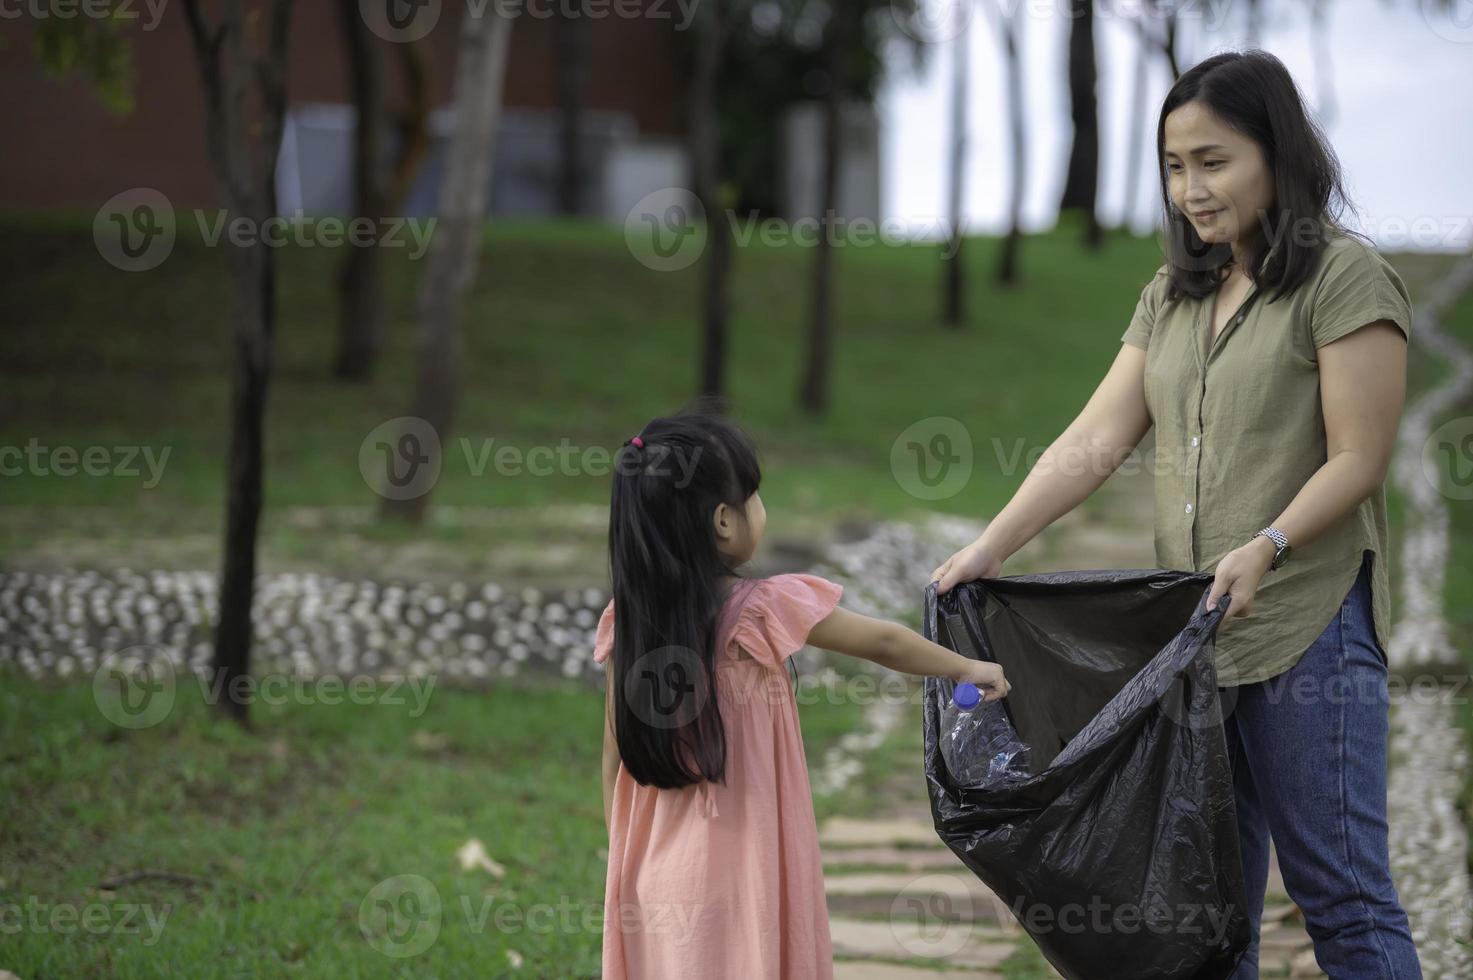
70, 152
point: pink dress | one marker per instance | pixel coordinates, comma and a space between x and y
717, 881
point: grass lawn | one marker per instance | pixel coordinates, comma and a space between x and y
568, 338
569, 341
291, 828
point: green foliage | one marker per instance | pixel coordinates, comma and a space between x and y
96, 48
773, 58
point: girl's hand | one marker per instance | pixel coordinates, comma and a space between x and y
1238, 575
988, 677
976, 560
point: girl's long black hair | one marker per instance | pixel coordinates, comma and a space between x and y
1252, 92
666, 573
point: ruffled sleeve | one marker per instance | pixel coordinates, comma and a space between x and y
603, 639
774, 622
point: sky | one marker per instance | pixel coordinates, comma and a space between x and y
1401, 121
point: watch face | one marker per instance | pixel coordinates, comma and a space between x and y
1282, 556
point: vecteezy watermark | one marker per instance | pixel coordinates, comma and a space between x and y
138, 687
1447, 458
35, 459
939, 21
1452, 232
666, 687
406, 21
93, 918
402, 916
136, 230
933, 916
664, 231
932, 459
932, 21
400, 459
667, 230
1451, 21
403, 458
122, 10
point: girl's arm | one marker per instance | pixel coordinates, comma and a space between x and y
895, 647
611, 745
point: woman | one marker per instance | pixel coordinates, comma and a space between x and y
1269, 353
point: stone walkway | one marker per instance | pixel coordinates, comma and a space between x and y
902, 905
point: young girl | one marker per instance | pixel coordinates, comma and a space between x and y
714, 867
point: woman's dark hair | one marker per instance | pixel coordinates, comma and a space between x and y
666, 573
1253, 93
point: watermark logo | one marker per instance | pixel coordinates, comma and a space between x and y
1451, 20
664, 230
400, 21
930, 917
400, 916
666, 687
1447, 458
134, 231
401, 458
93, 918
109, 10
932, 459
135, 687
932, 21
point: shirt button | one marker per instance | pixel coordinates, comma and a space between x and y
1195, 440
1189, 508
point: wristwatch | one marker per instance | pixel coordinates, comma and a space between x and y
1281, 545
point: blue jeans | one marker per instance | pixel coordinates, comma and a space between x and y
1308, 751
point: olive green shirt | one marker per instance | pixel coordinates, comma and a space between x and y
1240, 430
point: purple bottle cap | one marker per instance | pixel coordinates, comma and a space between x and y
966, 696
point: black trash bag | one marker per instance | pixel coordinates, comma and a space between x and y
1105, 818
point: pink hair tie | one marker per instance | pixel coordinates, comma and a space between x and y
638, 442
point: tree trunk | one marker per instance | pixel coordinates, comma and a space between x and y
413, 123
243, 148
569, 85
1166, 13
1139, 113
813, 396
955, 288
1081, 185
360, 288
450, 265
705, 129
1007, 269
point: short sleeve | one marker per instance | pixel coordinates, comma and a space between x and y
1356, 286
774, 622
603, 638
1138, 334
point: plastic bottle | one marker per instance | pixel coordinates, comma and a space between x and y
959, 731
979, 746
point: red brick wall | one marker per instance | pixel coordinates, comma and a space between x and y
63, 148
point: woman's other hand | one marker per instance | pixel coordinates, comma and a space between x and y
1238, 575
977, 560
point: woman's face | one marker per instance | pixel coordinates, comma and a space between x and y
1213, 168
